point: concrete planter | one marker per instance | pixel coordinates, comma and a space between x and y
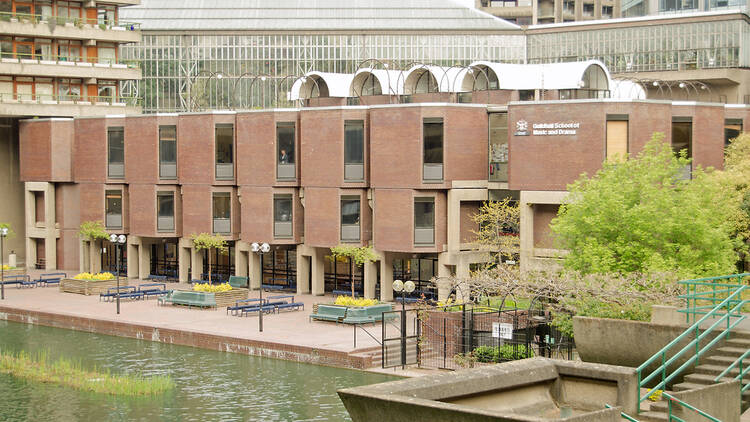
87, 287
231, 297
15, 271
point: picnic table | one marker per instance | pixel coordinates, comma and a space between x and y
50, 278
152, 289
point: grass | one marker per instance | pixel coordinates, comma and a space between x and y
41, 368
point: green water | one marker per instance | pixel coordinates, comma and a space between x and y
210, 386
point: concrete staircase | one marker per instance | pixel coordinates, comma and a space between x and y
704, 374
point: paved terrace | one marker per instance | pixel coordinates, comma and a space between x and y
286, 335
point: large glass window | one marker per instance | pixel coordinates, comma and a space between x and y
282, 215
168, 152
113, 209
682, 139
432, 133
424, 221
222, 212
732, 129
225, 151
354, 150
285, 151
498, 147
165, 211
116, 152
350, 218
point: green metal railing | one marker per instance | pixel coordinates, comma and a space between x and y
708, 291
62, 20
672, 401
623, 414
742, 372
733, 305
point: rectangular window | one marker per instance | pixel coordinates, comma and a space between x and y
282, 215
424, 221
168, 152
498, 147
69, 89
165, 211
732, 129
106, 91
69, 50
106, 14
222, 212
116, 152
682, 139
354, 150
113, 209
526, 95
224, 151
617, 136
285, 151
432, 137
350, 212
106, 53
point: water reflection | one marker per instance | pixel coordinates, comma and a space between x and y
211, 386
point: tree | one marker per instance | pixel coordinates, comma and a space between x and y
208, 241
360, 255
7, 226
92, 231
638, 215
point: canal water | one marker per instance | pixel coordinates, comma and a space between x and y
210, 386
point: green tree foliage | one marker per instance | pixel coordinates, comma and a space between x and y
209, 241
92, 231
636, 215
360, 255
499, 223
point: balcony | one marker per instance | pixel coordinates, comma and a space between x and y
21, 104
38, 26
68, 67
350, 232
222, 225
113, 221
354, 172
166, 224
282, 229
432, 172
424, 236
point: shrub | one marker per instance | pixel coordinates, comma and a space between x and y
350, 301
95, 277
8, 267
634, 311
210, 288
505, 352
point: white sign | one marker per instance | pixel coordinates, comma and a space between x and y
556, 128
502, 330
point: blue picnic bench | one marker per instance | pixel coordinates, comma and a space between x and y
280, 302
345, 293
19, 280
50, 278
257, 308
152, 289
154, 277
242, 304
124, 292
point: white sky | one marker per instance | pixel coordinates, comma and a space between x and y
467, 3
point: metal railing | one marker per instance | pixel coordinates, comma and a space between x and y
623, 414
62, 20
9, 97
742, 372
707, 290
69, 59
733, 304
672, 400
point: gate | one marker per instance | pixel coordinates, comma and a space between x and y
401, 334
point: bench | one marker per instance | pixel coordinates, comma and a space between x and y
357, 316
272, 287
248, 303
345, 293
280, 302
376, 311
181, 297
50, 278
237, 281
155, 277
266, 308
19, 280
153, 289
329, 313
122, 291
407, 299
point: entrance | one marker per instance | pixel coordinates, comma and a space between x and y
340, 273
164, 259
280, 267
222, 264
420, 270
109, 259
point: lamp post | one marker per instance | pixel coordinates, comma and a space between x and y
3, 233
117, 241
211, 74
403, 288
260, 249
250, 88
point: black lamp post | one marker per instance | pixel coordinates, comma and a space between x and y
3, 233
260, 249
403, 288
118, 242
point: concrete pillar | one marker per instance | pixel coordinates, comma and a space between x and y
183, 259
95, 256
444, 283
196, 263
303, 269
241, 263
133, 246
30, 252
83, 256
255, 271
30, 206
386, 278
462, 273
526, 232
144, 259
371, 279
318, 272
50, 237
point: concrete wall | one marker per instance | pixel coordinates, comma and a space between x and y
12, 203
721, 401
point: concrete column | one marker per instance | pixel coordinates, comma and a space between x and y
255, 271
30, 206
95, 256
196, 263
462, 273
50, 238
303, 269
183, 259
241, 264
526, 232
454, 221
386, 278
83, 256
371, 279
318, 272
133, 246
30, 252
444, 284
144, 259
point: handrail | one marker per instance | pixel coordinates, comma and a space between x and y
133, 64
708, 282
694, 344
8, 97
36, 18
623, 414
723, 277
742, 372
673, 399
380, 343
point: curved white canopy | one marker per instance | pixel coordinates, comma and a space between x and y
446, 79
568, 75
625, 89
321, 84
391, 82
